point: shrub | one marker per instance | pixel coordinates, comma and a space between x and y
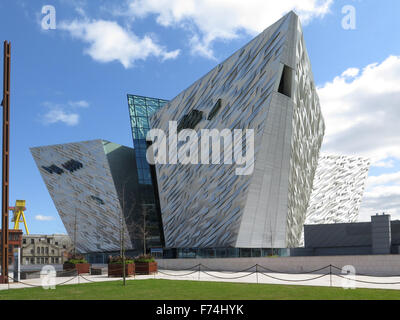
145, 258
119, 260
75, 259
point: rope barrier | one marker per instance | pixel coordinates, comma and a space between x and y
210, 269
87, 279
369, 282
305, 272
368, 275
295, 280
178, 275
194, 267
37, 286
240, 277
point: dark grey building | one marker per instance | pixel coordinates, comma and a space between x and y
380, 236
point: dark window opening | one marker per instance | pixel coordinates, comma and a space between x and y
285, 86
215, 110
97, 199
53, 168
190, 120
72, 165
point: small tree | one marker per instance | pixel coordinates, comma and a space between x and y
75, 231
141, 227
127, 206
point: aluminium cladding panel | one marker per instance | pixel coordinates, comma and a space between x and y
281, 186
210, 206
308, 131
338, 189
264, 217
88, 193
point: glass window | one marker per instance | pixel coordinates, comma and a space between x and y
141, 111
245, 253
233, 253
222, 253
256, 253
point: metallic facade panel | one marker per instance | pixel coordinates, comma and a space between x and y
87, 198
338, 189
210, 206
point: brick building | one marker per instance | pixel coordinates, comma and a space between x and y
14, 242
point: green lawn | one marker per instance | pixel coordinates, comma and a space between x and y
193, 290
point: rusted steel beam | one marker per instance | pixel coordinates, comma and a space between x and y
6, 161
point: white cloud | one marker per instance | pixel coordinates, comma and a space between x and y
78, 104
361, 111
385, 179
210, 20
382, 194
384, 164
58, 112
362, 115
59, 115
44, 218
381, 198
108, 41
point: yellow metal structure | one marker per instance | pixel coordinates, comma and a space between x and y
19, 215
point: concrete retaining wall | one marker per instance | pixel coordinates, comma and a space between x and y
379, 265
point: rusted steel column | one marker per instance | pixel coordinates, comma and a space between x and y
6, 161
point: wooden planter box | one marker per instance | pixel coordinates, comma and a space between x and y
80, 267
116, 269
146, 267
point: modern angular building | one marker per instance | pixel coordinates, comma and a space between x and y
209, 210
266, 86
95, 188
337, 190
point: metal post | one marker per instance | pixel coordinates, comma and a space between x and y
257, 272
199, 271
5, 172
330, 274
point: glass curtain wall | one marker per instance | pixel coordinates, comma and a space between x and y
140, 110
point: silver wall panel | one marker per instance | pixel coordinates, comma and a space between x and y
338, 189
210, 206
89, 193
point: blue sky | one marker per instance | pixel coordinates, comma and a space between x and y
68, 86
